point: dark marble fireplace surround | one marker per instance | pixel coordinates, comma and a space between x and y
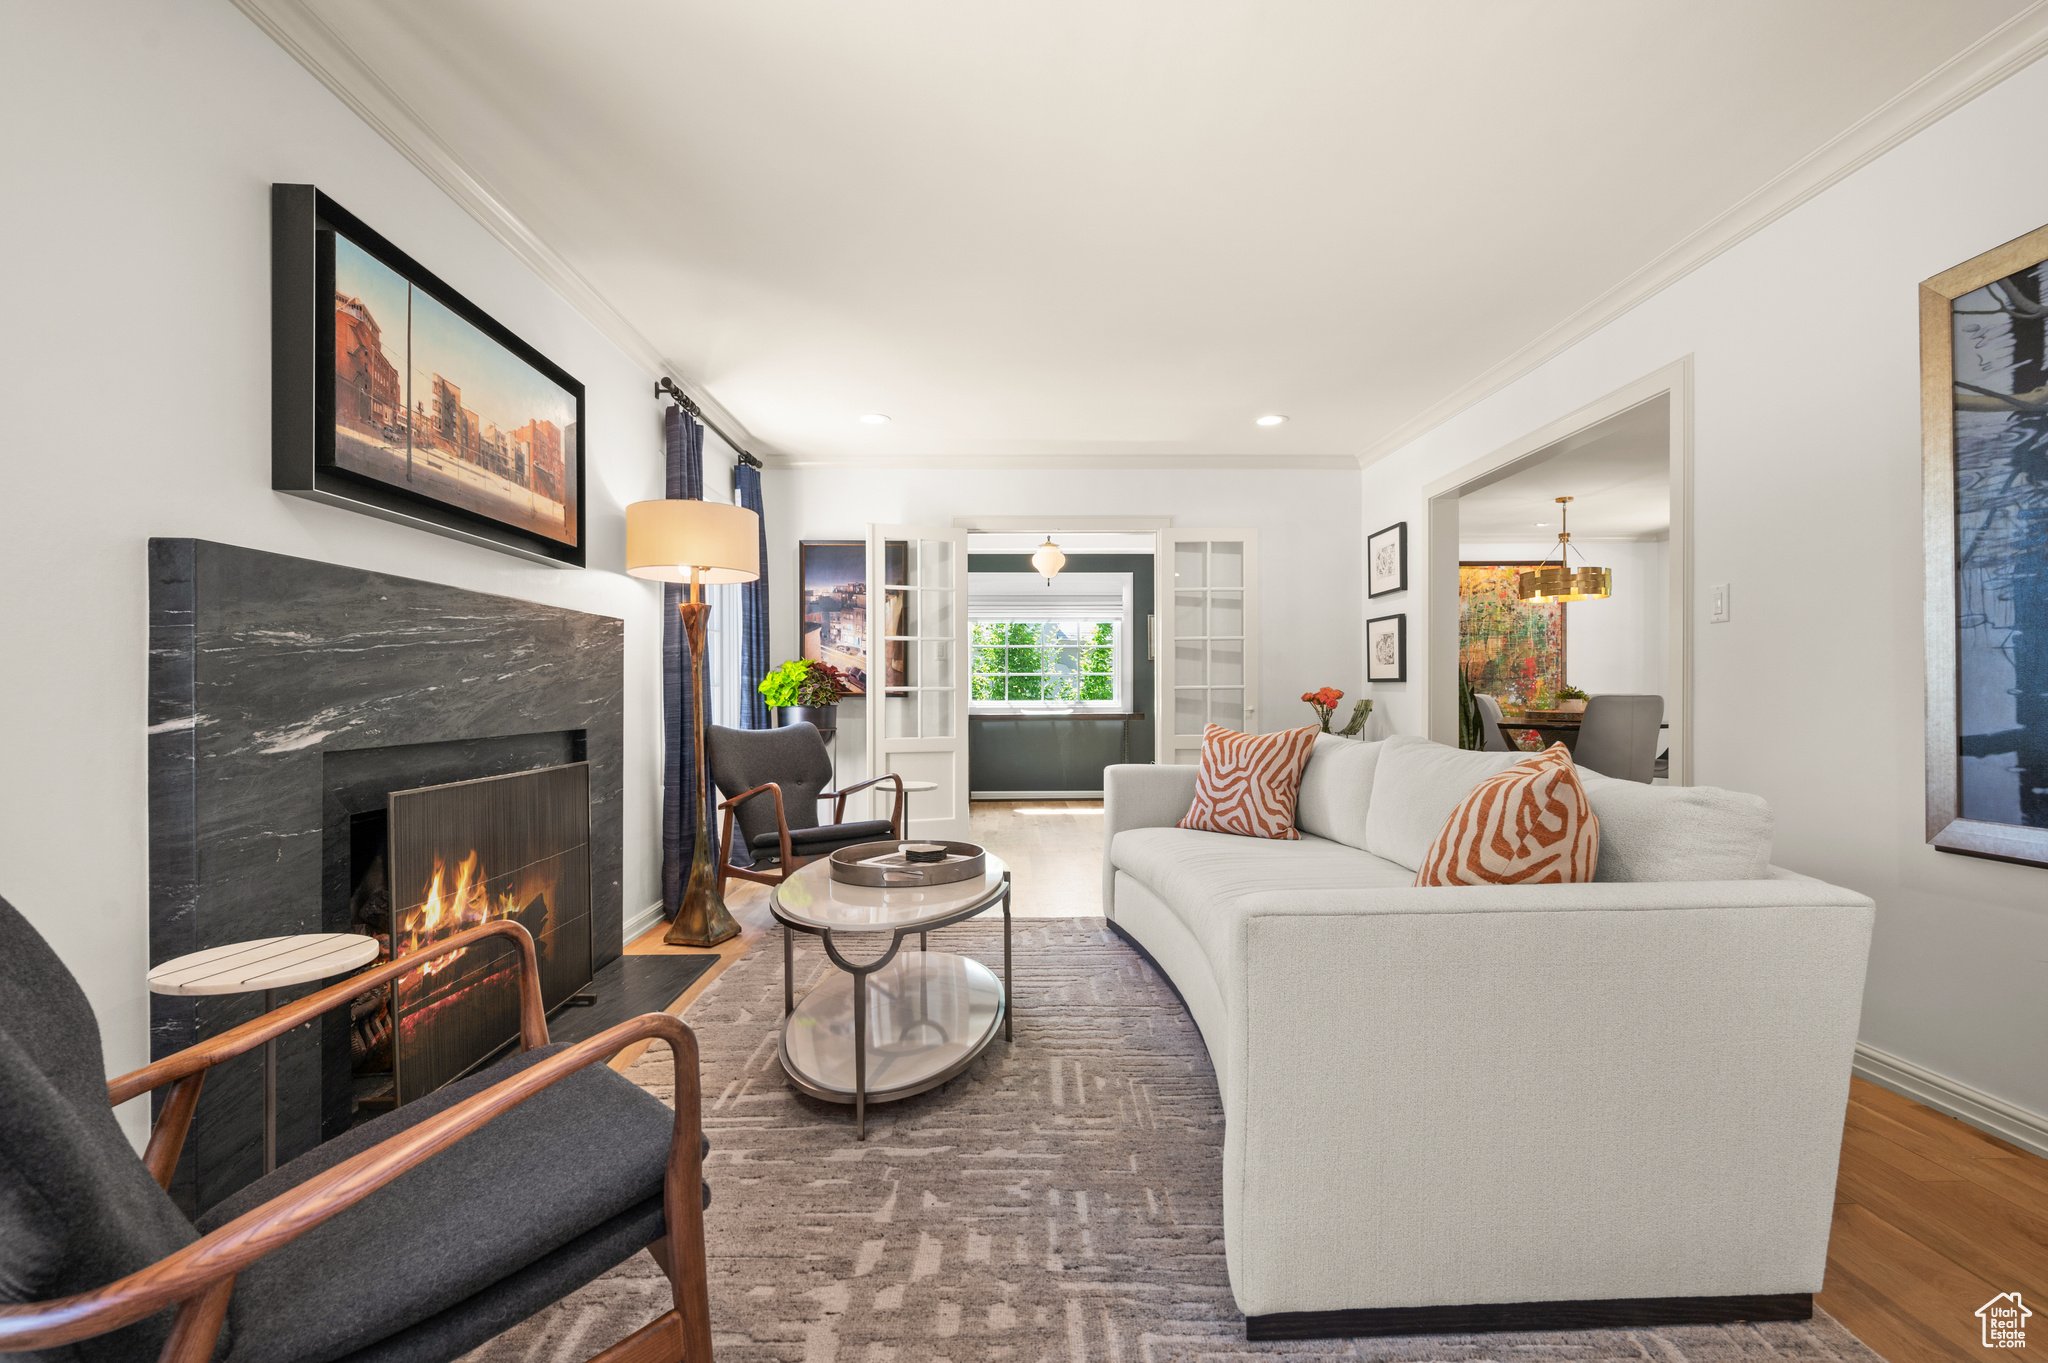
283, 693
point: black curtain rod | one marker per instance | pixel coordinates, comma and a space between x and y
668, 387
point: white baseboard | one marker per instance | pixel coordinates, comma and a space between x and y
1034, 795
2028, 1130
639, 922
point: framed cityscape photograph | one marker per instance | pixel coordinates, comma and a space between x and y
396, 396
1386, 649
1386, 560
832, 576
1984, 426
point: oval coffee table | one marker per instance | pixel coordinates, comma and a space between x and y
905, 1021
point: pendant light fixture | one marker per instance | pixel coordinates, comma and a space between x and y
1048, 560
1557, 582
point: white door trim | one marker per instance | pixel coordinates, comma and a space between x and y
1440, 551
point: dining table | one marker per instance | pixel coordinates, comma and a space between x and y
1559, 725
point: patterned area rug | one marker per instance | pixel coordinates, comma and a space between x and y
1060, 1200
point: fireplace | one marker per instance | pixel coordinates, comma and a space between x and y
296, 711
458, 855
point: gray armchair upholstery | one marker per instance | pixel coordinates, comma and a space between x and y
772, 781
1620, 736
519, 1213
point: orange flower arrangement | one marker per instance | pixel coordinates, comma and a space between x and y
1324, 703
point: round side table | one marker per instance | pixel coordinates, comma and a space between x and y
911, 788
269, 964
901, 1023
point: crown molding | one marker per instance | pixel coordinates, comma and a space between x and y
308, 40
1068, 461
2006, 50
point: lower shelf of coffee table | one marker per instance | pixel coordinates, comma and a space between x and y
929, 1015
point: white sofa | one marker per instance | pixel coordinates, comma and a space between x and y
1504, 1107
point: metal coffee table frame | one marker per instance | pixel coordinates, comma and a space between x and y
860, 974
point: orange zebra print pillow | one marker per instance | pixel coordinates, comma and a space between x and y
1248, 782
1530, 824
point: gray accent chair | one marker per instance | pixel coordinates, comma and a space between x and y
1490, 720
1620, 736
383, 1244
791, 769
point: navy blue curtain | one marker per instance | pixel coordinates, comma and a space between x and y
679, 812
746, 486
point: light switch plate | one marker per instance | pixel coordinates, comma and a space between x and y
1717, 604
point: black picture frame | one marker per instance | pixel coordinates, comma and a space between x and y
303, 225
812, 558
1399, 530
1374, 668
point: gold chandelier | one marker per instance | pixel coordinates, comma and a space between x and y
1557, 582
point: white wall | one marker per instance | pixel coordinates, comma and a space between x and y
136, 362
1309, 542
1805, 341
1615, 646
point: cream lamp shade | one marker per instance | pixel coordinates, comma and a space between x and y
665, 540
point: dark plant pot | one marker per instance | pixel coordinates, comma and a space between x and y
825, 717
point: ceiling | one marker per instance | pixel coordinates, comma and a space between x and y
1076, 233
1617, 473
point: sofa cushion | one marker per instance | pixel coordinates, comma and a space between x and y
1248, 782
1528, 825
1203, 877
1678, 832
1336, 789
1415, 786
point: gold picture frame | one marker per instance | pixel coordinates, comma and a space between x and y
2006, 423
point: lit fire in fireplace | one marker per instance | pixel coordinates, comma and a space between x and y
466, 903
463, 898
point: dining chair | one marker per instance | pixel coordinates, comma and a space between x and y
1490, 720
1620, 735
779, 776
413, 1238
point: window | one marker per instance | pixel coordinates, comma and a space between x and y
1070, 661
722, 656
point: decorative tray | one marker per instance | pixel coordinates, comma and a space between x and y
885, 866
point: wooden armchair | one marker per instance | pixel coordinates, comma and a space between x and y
791, 767
564, 1170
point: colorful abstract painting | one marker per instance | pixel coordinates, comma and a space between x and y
1511, 649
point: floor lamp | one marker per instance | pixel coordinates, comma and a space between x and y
684, 540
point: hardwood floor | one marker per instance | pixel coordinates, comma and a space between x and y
1933, 1218
1054, 850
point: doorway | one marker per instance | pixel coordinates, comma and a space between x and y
1062, 670
1626, 463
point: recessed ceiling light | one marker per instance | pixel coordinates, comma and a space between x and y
1542, 524
876, 418
1271, 419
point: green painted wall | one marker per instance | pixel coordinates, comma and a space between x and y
1066, 754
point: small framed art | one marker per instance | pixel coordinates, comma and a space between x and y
1386, 649
1386, 560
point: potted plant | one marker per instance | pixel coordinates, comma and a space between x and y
1571, 699
801, 691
